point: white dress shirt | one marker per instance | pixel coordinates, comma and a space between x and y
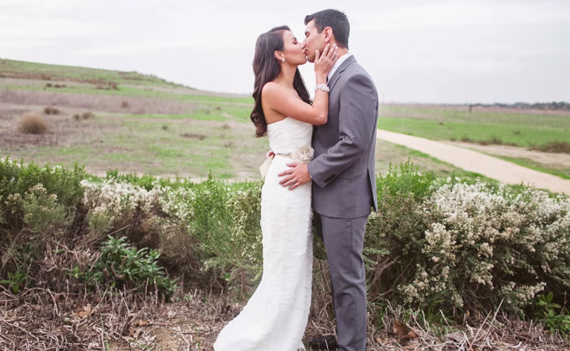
337, 64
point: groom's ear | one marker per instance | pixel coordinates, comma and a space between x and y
328, 35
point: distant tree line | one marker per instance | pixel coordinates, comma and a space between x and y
554, 105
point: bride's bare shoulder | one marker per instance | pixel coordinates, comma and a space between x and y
271, 90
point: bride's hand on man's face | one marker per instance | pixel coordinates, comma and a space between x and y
324, 62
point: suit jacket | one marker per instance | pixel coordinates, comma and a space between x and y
343, 169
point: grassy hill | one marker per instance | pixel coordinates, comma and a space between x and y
31, 70
140, 123
126, 121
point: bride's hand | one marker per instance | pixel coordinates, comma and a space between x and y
324, 62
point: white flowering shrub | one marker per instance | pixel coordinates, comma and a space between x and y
486, 244
210, 228
18, 178
433, 243
444, 244
178, 203
114, 204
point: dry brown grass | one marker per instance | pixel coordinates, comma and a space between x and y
98, 102
40, 320
84, 116
32, 124
193, 136
554, 147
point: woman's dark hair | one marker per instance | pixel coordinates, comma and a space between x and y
336, 20
266, 68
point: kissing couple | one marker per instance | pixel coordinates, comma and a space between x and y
323, 156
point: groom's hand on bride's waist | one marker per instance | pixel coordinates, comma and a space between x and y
295, 176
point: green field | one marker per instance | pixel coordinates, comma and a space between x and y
486, 126
11, 68
533, 130
145, 124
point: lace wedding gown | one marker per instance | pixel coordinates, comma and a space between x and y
275, 317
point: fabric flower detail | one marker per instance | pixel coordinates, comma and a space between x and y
303, 154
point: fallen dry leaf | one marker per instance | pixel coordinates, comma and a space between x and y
382, 341
141, 323
135, 332
84, 312
403, 331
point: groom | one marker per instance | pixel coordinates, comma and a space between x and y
343, 173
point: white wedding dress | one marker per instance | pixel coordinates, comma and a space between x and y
275, 317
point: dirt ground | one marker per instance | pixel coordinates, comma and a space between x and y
66, 131
469, 160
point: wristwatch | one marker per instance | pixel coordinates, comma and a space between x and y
322, 87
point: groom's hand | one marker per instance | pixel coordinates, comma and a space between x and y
295, 176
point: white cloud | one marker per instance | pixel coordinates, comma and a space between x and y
461, 15
416, 51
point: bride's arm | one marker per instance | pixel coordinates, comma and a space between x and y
279, 99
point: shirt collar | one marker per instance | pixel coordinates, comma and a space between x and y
338, 63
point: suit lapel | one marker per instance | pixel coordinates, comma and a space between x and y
339, 71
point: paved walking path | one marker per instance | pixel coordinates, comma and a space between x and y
469, 160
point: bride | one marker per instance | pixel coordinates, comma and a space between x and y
276, 315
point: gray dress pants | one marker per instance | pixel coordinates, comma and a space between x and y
344, 240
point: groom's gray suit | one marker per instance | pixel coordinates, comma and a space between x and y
344, 191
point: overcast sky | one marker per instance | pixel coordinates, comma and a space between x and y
416, 51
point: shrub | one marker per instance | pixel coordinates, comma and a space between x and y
33, 124
50, 110
434, 244
113, 204
83, 116
555, 317
122, 266
42, 213
87, 115
444, 244
484, 245
38, 207
555, 146
394, 234
17, 178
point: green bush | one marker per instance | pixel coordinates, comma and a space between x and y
434, 244
394, 234
123, 266
215, 225
17, 178
42, 212
465, 246
555, 317
38, 207
224, 220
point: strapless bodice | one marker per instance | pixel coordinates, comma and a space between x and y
288, 135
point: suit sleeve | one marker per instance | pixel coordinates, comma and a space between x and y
358, 112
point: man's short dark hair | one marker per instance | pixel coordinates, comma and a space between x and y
336, 20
